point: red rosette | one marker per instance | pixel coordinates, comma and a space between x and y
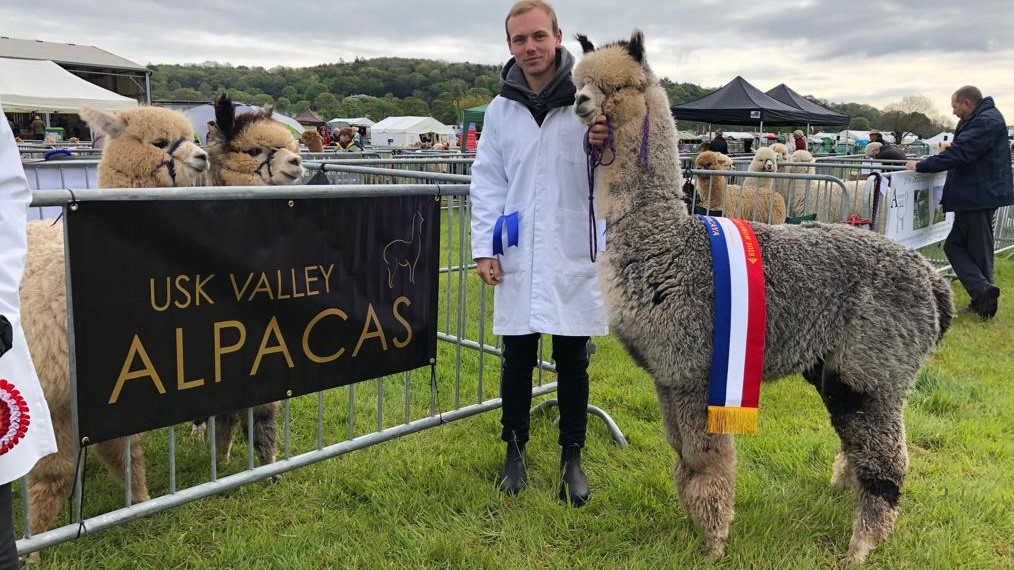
14, 417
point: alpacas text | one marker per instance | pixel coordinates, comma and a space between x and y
230, 336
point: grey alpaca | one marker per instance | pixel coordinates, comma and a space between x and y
855, 313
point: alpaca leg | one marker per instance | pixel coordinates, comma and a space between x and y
265, 434
875, 463
111, 454
225, 432
705, 470
841, 476
50, 483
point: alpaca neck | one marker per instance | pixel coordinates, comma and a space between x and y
645, 177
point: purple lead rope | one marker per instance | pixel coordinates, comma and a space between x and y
594, 161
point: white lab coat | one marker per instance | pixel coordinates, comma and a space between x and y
20, 392
548, 281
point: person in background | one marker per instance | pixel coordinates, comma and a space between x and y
884, 151
719, 144
530, 174
978, 182
799, 139
347, 141
26, 440
38, 128
876, 137
748, 145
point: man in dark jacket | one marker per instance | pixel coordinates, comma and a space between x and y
718, 144
979, 180
884, 151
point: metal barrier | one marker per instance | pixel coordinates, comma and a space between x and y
331, 423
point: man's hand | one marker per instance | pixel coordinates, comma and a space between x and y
910, 165
489, 270
599, 131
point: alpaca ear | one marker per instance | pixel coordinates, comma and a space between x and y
267, 110
225, 115
636, 46
586, 45
99, 120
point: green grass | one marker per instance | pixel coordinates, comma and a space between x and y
428, 500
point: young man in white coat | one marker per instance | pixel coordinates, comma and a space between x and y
530, 185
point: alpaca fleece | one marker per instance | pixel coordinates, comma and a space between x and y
855, 313
136, 156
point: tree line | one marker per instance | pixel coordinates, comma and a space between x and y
391, 86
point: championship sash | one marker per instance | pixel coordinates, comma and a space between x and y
737, 360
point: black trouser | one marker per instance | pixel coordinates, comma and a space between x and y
571, 356
969, 249
8, 545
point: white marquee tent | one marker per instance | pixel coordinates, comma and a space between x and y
406, 131
345, 122
34, 85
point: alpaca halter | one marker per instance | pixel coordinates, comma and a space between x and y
267, 162
169, 164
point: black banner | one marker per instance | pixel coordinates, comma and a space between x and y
188, 309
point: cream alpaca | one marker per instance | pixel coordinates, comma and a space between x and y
148, 147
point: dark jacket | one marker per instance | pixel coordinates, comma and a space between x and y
977, 163
718, 144
891, 152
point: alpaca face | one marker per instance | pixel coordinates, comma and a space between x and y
602, 78
252, 149
781, 152
148, 146
766, 160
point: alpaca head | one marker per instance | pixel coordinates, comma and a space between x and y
781, 151
148, 147
801, 156
251, 149
313, 141
605, 75
766, 160
711, 189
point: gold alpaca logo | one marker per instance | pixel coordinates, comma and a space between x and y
404, 253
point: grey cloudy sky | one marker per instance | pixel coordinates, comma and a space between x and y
864, 51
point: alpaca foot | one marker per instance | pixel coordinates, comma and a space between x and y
713, 550
859, 548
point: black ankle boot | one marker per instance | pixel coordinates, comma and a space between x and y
574, 485
514, 475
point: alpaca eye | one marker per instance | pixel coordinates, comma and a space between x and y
254, 151
160, 143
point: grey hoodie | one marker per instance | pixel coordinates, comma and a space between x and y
559, 92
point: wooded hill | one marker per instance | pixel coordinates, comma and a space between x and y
383, 87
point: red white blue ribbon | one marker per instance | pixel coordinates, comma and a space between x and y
737, 360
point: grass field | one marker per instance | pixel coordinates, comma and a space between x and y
428, 500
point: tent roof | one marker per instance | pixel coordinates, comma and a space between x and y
740, 103
306, 116
51, 89
357, 121
786, 95
411, 125
70, 54
474, 115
